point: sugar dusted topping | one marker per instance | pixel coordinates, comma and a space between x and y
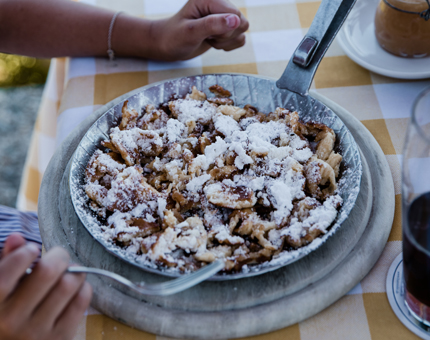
196, 184
190, 110
174, 130
199, 179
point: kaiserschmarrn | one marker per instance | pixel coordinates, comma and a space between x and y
199, 178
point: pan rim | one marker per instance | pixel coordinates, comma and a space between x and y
223, 277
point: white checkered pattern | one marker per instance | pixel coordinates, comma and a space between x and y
77, 87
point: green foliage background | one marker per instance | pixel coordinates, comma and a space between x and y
18, 70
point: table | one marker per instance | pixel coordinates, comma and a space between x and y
76, 87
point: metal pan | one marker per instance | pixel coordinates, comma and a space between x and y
290, 92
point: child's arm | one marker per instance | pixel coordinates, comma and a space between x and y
48, 303
54, 28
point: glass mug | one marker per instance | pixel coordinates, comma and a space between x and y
402, 27
416, 210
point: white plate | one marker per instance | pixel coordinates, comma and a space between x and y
357, 39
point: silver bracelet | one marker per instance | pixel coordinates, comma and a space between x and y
110, 52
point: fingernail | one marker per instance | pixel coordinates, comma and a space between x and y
232, 21
33, 248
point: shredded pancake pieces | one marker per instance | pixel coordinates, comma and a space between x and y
198, 179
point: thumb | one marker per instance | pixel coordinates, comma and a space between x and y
216, 24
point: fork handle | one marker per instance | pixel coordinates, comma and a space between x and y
164, 288
102, 272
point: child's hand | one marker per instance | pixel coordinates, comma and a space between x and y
48, 303
198, 26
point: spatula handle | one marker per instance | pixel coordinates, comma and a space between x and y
303, 64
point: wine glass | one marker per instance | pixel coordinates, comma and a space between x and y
416, 210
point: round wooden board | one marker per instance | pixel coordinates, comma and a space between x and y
217, 310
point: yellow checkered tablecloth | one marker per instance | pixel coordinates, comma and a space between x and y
77, 87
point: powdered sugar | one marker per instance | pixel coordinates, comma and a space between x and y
226, 125
255, 159
174, 130
194, 110
197, 183
161, 206
215, 150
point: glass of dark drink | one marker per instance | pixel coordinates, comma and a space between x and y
416, 210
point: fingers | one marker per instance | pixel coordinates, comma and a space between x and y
13, 242
207, 7
36, 286
224, 31
243, 27
199, 25
13, 267
68, 321
229, 44
203, 47
58, 298
213, 25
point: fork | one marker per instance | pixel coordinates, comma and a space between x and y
163, 288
